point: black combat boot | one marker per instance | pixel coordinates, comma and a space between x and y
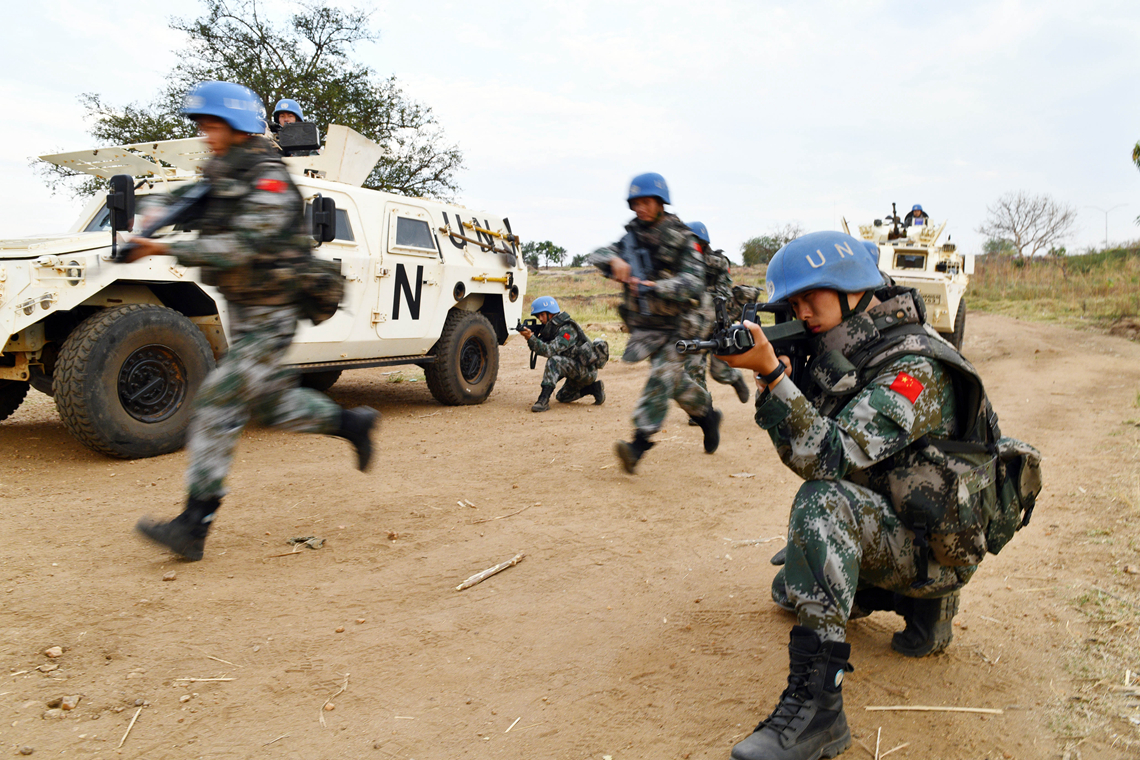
808, 723
742, 389
543, 403
185, 534
597, 389
929, 624
710, 425
630, 453
356, 428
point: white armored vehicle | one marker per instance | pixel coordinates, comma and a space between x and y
911, 255
123, 347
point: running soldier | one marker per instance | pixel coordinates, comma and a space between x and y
720, 286
252, 235
903, 494
662, 273
569, 354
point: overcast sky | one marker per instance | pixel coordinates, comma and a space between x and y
757, 113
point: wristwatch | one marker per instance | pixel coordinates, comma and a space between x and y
772, 376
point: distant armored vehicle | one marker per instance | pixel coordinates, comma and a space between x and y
122, 347
912, 257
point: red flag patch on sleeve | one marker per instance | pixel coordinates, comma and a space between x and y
907, 386
270, 185
566, 336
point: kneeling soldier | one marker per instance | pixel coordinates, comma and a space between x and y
569, 354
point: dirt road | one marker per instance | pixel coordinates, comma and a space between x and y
637, 626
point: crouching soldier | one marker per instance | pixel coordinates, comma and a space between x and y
569, 354
908, 482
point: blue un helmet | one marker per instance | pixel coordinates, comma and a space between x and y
917, 207
830, 260
234, 104
649, 185
286, 105
701, 231
545, 304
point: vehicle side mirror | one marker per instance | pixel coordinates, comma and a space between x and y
121, 202
324, 219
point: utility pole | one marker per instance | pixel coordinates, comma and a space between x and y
1105, 212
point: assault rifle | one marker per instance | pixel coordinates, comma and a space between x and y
640, 267
535, 327
788, 336
186, 208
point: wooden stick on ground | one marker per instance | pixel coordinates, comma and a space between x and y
512, 725
330, 699
132, 725
896, 749
279, 738
478, 578
925, 708
219, 659
503, 517
204, 680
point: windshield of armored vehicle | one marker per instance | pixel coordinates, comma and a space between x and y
910, 261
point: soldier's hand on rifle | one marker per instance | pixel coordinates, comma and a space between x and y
143, 247
526, 333
620, 269
761, 358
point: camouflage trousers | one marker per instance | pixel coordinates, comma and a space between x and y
670, 378
577, 376
249, 381
843, 537
717, 368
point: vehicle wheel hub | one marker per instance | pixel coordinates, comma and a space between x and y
152, 383
472, 360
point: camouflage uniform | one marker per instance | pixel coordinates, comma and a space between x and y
560, 341
251, 239
679, 308
843, 533
717, 274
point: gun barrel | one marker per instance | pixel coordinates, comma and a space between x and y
695, 346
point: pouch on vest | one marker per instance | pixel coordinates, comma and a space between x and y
320, 288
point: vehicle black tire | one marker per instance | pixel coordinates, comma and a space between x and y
955, 338
467, 360
320, 381
12, 393
125, 379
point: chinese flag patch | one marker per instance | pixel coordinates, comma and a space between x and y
907, 386
270, 185
566, 336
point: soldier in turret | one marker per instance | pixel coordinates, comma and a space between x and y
251, 236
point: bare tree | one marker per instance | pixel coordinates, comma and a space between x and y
1031, 223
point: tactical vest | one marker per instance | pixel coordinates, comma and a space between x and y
270, 277
593, 354
962, 497
645, 310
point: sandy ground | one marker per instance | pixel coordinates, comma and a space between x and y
637, 626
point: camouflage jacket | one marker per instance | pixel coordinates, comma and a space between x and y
741, 295
559, 337
252, 231
838, 429
717, 275
678, 269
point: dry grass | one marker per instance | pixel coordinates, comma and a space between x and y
1094, 289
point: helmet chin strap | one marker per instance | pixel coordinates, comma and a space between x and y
845, 306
